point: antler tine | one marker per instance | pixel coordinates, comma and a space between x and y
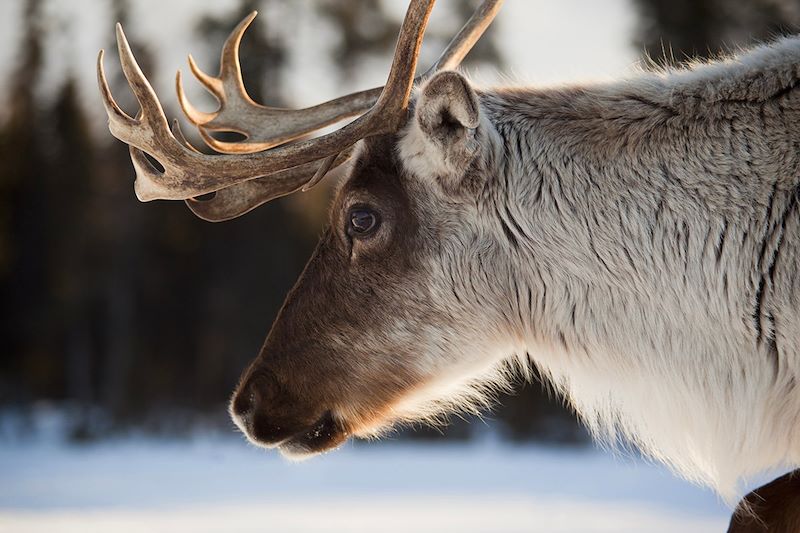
229, 82
150, 124
189, 174
468, 35
147, 130
247, 195
393, 100
177, 132
390, 106
117, 118
254, 178
264, 127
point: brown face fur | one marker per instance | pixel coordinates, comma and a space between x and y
375, 329
329, 368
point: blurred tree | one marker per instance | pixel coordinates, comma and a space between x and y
366, 28
263, 53
672, 31
22, 229
535, 412
68, 184
250, 263
486, 50
115, 225
140, 309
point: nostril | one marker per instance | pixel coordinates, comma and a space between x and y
244, 401
251, 399
243, 408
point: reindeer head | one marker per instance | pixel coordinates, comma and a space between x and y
376, 327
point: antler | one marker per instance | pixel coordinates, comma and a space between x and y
264, 127
234, 201
188, 173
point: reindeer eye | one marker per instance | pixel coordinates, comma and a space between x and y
362, 221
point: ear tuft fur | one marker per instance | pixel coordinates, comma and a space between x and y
441, 139
447, 101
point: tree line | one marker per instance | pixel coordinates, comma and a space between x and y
135, 315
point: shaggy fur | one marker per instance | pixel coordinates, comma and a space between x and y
640, 242
637, 241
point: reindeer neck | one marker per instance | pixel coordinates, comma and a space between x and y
647, 237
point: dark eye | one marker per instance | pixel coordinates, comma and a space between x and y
362, 221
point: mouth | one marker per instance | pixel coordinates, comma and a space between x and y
325, 435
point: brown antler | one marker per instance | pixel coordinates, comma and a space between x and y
265, 127
239, 199
242, 198
188, 173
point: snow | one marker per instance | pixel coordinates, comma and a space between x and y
222, 484
217, 483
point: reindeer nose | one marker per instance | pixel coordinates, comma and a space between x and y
255, 409
242, 407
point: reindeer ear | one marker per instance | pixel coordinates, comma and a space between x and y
441, 139
447, 107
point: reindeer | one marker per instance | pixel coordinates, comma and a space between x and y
637, 241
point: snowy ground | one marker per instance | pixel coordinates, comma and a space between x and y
223, 484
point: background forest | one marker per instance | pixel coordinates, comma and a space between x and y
126, 315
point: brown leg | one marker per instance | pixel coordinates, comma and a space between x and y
773, 508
